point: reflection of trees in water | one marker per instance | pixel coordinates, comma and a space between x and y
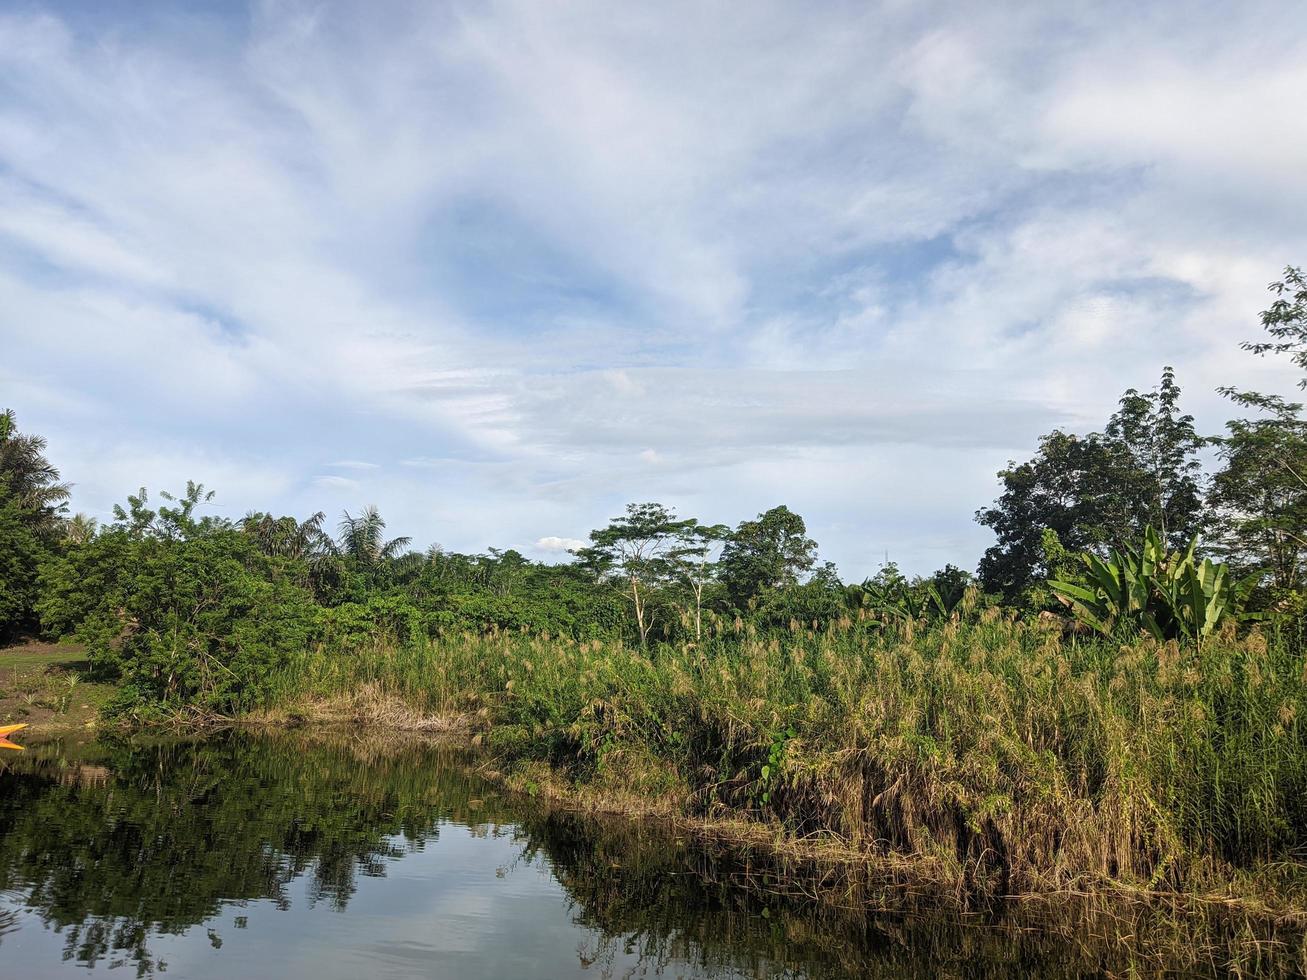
181, 829
673, 902
133, 841
751, 914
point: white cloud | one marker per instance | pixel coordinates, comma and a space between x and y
334, 482
554, 545
849, 259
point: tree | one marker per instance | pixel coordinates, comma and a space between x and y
1162, 445
1260, 497
32, 504
362, 540
79, 529
640, 550
21, 553
1072, 487
1098, 491
951, 584
1260, 494
766, 554
28, 478
285, 537
1286, 321
188, 611
303, 548
693, 566
137, 520
504, 569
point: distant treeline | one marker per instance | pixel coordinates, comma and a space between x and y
194, 607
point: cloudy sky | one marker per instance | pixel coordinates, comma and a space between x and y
501, 267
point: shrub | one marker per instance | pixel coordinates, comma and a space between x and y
201, 621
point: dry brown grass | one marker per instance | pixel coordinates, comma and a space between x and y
371, 706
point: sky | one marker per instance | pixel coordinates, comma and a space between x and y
500, 268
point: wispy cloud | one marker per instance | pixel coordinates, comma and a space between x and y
334, 482
552, 544
512, 265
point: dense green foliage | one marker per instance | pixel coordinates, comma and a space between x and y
21, 552
1167, 594
1097, 492
32, 503
187, 611
767, 555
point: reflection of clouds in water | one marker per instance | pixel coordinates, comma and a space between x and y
223, 850
8, 921
297, 859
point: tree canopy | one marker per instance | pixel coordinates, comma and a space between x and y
767, 554
1098, 491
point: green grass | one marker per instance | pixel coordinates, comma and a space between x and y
991, 752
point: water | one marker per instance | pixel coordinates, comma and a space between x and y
323, 856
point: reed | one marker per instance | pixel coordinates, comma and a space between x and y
993, 750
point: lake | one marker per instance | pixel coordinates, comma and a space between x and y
325, 855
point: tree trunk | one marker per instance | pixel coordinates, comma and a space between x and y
639, 612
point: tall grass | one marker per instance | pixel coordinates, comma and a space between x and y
991, 750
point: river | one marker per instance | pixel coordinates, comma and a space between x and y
324, 855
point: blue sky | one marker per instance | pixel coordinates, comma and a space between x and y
500, 268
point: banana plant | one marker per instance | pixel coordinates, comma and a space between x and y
1199, 596
1168, 594
903, 601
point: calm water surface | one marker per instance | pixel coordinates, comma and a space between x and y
251, 855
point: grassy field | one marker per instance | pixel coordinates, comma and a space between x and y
991, 755
44, 685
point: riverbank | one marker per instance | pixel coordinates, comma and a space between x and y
992, 757
257, 821
378, 718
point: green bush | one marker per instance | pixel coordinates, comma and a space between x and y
199, 621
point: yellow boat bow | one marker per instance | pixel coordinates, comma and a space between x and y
5, 732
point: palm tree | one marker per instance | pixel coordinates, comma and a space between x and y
27, 476
80, 529
285, 537
362, 539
